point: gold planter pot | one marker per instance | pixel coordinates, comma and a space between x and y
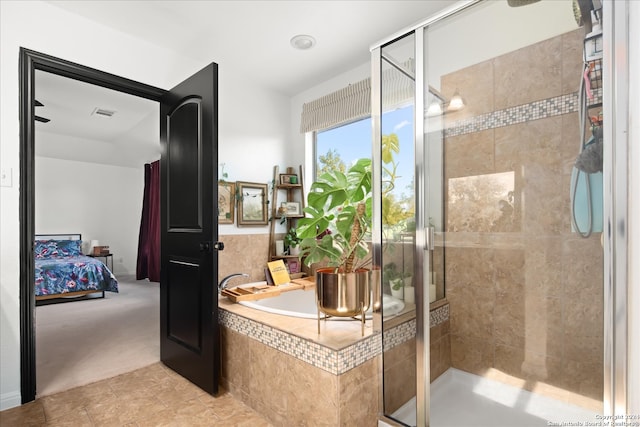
343, 294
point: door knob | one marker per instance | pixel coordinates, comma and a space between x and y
218, 246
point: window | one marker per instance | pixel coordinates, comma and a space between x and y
338, 148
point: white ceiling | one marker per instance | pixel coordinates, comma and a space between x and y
128, 138
250, 38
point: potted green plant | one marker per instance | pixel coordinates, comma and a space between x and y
338, 218
291, 241
395, 279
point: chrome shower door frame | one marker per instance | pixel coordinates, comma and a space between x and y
616, 214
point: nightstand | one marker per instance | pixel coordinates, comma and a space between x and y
106, 259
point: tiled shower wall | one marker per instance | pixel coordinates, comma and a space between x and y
525, 292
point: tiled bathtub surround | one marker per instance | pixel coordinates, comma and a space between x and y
400, 355
289, 391
438, 315
526, 298
407, 330
243, 253
272, 362
283, 369
334, 361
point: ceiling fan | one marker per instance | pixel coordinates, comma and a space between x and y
38, 118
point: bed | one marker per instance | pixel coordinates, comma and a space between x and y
63, 273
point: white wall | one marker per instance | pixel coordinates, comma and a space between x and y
254, 136
101, 202
254, 128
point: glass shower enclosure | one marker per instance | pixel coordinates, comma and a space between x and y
479, 115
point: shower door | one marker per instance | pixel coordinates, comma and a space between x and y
498, 123
412, 255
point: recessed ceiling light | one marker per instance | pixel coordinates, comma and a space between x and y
303, 42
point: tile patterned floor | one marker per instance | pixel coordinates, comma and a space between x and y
151, 396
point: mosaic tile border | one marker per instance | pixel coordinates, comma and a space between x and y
439, 315
406, 331
555, 106
333, 361
400, 334
336, 362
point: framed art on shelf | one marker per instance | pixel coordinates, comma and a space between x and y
252, 203
294, 266
291, 208
226, 202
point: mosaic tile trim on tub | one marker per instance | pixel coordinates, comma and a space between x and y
406, 331
333, 361
542, 109
400, 334
439, 315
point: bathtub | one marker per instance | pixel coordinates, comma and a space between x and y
301, 303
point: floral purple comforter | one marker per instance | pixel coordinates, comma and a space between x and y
72, 274
59, 271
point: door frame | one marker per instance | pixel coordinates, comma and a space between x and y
29, 62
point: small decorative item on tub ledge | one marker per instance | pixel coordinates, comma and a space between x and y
261, 290
337, 222
278, 272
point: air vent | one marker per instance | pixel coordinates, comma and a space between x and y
101, 112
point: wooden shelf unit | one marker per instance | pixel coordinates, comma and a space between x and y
285, 193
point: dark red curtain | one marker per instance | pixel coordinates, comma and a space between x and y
148, 265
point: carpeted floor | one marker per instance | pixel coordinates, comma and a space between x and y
81, 342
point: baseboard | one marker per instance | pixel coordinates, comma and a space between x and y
10, 400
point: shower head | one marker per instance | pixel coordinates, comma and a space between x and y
517, 3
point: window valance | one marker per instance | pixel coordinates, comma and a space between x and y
354, 101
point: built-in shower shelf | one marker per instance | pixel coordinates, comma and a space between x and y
252, 292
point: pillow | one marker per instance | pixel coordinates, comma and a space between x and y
57, 248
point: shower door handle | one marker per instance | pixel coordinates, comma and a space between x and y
429, 238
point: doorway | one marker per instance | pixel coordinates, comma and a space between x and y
90, 147
31, 61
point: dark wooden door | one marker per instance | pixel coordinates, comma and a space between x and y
189, 341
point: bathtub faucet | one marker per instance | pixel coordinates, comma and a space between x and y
223, 283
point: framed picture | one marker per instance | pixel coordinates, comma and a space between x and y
252, 203
294, 266
226, 202
288, 179
291, 208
